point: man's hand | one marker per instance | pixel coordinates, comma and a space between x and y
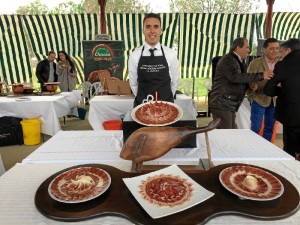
268, 74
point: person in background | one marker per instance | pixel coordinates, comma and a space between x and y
66, 72
46, 70
153, 67
230, 83
285, 84
262, 106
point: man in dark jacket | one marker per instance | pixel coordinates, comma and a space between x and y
46, 70
285, 84
230, 83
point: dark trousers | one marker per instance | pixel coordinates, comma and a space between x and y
291, 140
227, 118
43, 88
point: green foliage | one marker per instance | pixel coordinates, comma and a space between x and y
202, 91
68, 8
116, 6
212, 6
33, 8
85, 6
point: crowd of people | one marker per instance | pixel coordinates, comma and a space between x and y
269, 83
264, 79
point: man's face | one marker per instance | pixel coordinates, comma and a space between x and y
283, 52
152, 31
271, 51
243, 51
51, 57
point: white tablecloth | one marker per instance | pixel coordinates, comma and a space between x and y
19, 184
47, 108
110, 107
105, 146
243, 115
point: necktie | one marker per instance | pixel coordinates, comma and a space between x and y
152, 51
244, 63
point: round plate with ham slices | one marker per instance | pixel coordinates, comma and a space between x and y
79, 185
252, 183
156, 113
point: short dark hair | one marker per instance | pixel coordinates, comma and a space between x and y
152, 15
292, 43
238, 42
268, 41
51, 52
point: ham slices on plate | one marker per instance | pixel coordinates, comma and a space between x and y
252, 183
79, 185
156, 113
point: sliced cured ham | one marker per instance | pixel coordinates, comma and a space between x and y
251, 183
157, 113
79, 184
166, 190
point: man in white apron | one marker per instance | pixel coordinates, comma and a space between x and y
153, 67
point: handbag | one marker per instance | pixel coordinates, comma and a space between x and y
11, 131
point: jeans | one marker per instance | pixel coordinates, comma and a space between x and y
258, 113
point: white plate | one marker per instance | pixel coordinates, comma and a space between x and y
23, 99
52, 83
79, 185
268, 186
162, 124
197, 193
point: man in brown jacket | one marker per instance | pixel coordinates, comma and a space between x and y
262, 106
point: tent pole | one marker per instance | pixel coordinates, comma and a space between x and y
102, 4
269, 18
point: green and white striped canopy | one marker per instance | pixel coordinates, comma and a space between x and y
197, 37
284, 25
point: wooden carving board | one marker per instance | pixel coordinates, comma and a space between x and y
222, 203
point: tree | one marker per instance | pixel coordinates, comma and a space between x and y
212, 6
85, 6
33, 8
68, 8
116, 6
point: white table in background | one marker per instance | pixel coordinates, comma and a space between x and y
105, 146
243, 117
48, 108
18, 187
110, 107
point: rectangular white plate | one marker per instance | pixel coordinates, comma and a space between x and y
199, 194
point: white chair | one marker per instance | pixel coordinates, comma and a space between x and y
84, 87
186, 87
95, 89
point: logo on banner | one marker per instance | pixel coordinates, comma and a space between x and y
102, 52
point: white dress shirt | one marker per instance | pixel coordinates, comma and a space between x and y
171, 58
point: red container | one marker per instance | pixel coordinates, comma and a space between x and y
112, 125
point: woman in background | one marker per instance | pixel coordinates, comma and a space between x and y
66, 72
